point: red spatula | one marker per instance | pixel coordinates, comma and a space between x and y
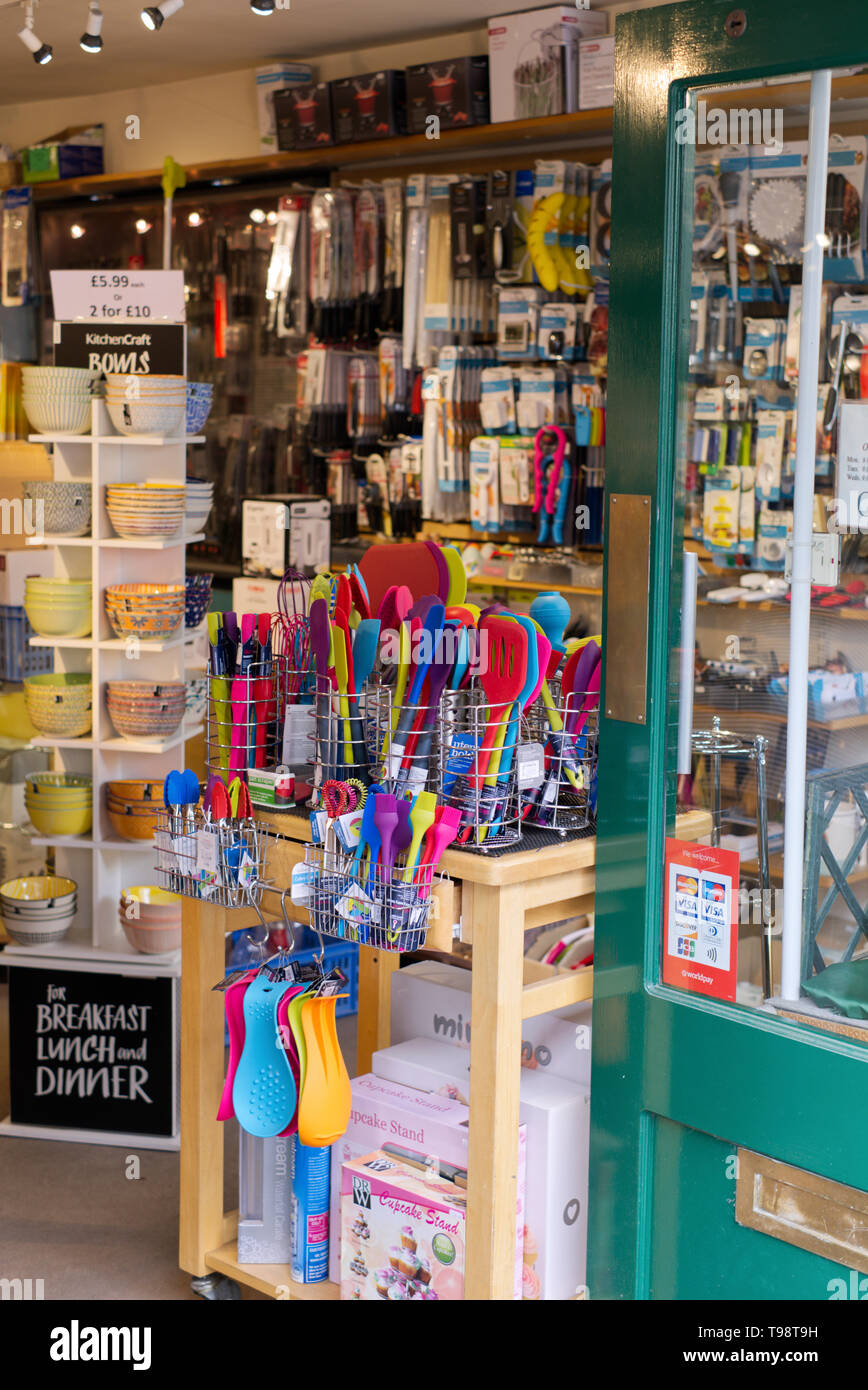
502, 672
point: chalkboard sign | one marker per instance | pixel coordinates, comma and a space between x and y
157, 350
92, 1051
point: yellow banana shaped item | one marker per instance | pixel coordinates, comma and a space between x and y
544, 219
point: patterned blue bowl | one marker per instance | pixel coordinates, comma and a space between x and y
197, 598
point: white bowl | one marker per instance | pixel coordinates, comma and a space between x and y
135, 417
59, 416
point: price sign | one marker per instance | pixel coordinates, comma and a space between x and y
851, 493
120, 296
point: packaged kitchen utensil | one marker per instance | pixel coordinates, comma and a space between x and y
456, 92
370, 107
304, 116
283, 531
533, 60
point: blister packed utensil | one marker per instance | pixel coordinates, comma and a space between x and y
263, 1093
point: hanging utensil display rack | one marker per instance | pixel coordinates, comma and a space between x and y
367, 904
566, 798
226, 872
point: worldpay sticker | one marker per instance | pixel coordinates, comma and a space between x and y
701, 924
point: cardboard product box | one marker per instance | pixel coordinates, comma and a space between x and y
456, 92
403, 1120
370, 107
73, 153
415, 1243
17, 565
304, 116
432, 1000
271, 78
558, 1117
284, 530
20, 463
534, 60
596, 73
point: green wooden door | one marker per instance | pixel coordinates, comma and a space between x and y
682, 1082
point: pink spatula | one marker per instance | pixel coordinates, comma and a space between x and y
233, 1003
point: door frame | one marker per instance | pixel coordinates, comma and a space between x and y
777, 1086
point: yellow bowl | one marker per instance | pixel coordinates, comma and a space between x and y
150, 893
38, 888
77, 821
149, 792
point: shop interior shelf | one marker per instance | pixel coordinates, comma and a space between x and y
59, 540
140, 745
585, 134
119, 644
151, 542
268, 1279
165, 963
151, 440
79, 642
44, 741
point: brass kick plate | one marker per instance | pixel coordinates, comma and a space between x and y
628, 597
802, 1209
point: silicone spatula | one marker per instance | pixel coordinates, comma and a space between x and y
432, 627
240, 716
577, 681
319, 645
443, 576
342, 677
447, 821
326, 1098
233, 1004
287, 1038
366, 826
503, 677
457, 575
365, 642
502, 767
264, 1091
421, 819
386, 818
293, 1014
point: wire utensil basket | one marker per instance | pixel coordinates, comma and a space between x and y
567, 728
482, 787
403, 741
220, 862
371, 905
245, 716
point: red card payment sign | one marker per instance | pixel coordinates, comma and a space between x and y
700, 945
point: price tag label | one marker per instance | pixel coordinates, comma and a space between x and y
125, 296
529, 765
851, 494
207, 860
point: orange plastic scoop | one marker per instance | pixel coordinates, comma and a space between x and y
326, 1099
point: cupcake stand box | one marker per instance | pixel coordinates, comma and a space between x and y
557, 1116
414, 1244
404, 1122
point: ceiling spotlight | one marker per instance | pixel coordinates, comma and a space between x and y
42, 52
194, 219
143, 225
751, 249
257, 215
76, 230
271, 218
90, 40
262, 6
153, 15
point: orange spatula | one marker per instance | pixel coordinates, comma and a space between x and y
326, 1099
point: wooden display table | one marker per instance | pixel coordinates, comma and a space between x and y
496, 899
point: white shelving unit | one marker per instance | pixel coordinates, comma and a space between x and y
101, 863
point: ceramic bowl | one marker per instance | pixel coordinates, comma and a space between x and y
66, 416
138, 417
48, 620
66, 506
160, 904
44, 935
54, 376
60, 705
57, 782
48, 821
136, 790
38, 889
40, 916
152, 940
130, 827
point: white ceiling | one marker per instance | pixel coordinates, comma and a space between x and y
212, 36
